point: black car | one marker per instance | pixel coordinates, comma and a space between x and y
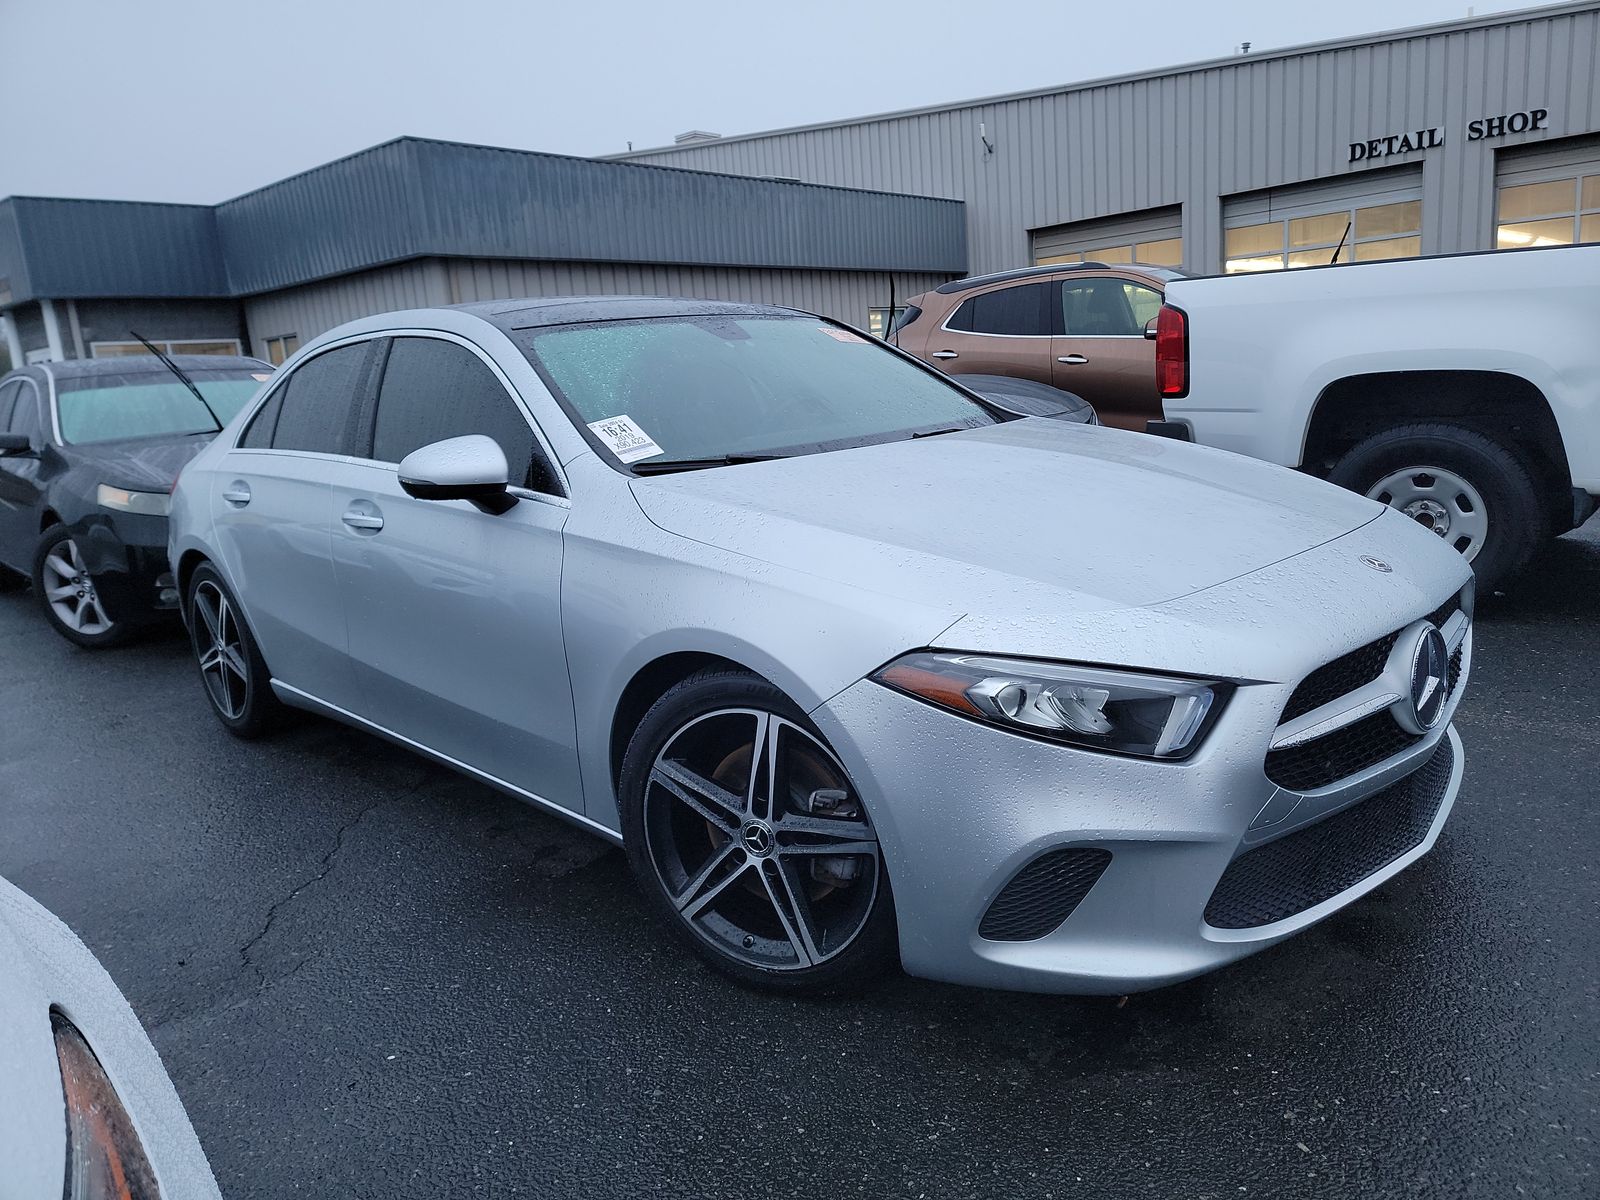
1030, 398
89, 451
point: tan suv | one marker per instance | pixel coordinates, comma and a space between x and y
1076, 326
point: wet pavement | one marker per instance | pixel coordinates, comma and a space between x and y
371, 977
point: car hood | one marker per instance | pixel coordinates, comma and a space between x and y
1026, 516
139, 464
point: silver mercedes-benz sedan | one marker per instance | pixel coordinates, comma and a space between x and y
855, 665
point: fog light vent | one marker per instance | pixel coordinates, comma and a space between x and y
1043, 894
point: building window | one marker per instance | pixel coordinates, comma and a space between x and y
120, 349
1379, 231
881, 320
280, 348
1163, 252
1558, 212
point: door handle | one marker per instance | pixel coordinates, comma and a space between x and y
944, 354
237, 493
1072, 358
368, 519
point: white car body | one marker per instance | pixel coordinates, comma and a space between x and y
44, 966
1313, 368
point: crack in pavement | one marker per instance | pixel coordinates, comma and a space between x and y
325, 868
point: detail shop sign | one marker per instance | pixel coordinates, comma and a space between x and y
1428, 139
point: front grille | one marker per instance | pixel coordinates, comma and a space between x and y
1350, 671
1310, 865
1328, 759
1043, 894
1339, 678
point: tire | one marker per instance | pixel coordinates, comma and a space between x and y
1479, 496
232, 672
67, 595
723, 866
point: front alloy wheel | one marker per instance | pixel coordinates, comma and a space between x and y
749, 836
68, 595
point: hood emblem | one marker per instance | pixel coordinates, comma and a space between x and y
1377, 564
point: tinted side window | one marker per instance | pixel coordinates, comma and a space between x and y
8, 393
1104, 307
318, 399
25, 416
433, 390
258, 434
1021, 311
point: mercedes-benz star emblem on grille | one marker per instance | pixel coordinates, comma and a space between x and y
1377, 564
1428, 668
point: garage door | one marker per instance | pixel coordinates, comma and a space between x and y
1548, 196
1369, 216
1153, 237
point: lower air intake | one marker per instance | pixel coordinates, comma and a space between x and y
1304, 868
1043, 894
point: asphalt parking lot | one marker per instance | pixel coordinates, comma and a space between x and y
370, 977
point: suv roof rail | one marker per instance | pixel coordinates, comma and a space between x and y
961, 285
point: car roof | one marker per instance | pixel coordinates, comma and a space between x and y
141, 364
540, 312
960, 285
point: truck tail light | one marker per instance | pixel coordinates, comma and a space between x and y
1172, 352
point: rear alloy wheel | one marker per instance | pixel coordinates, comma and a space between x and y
67, 593
231, 668
748, 837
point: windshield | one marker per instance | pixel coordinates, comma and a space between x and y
714, 386
108, 408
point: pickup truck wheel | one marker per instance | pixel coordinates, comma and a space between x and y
1477, 495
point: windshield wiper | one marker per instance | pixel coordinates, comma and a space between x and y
665, 466
937, 432
182, 378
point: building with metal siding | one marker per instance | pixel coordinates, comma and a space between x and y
1307, 139
392, 226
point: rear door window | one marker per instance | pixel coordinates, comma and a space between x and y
1106, 308
8, 395
433, 390
25, 415
319, 401
1022, 311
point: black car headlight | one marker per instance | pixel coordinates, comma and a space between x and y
104, 1158
1121, 712
150, 504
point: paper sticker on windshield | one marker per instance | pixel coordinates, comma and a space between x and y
624, 438
841, 335
260, 376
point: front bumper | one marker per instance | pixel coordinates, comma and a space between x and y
126, 555
961, 807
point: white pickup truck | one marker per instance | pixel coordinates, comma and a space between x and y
1463, 390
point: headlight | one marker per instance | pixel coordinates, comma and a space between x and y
151, 504
1153, 716
104, 1158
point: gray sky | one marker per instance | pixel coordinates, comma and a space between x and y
200, 100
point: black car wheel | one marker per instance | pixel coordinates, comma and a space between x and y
67, 594
1471, 491
748, 839
231, 667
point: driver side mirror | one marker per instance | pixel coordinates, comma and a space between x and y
1150, 329
15, 445
460, 468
